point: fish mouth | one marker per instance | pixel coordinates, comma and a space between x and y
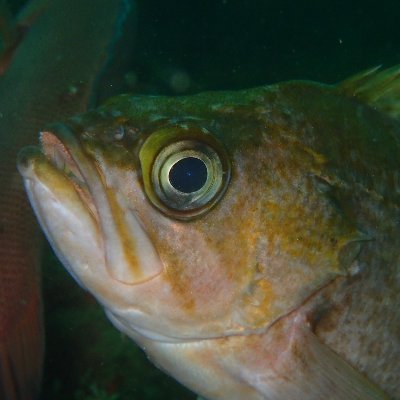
59, 155
68, 186
61, 199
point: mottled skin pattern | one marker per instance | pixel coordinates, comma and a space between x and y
285, 288
362, 317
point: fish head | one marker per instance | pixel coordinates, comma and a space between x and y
190, 217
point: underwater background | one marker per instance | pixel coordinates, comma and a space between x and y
183, 47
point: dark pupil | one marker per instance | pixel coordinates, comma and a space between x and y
188, 175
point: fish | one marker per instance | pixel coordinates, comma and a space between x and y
49, 72
247, 241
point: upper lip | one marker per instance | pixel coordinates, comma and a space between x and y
59, 153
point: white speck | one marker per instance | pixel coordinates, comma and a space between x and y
355, 268
119, 135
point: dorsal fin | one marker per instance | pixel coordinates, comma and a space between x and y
376, 87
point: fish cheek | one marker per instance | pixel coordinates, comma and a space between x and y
304, 238
207, 259
200, 282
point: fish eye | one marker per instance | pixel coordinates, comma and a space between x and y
188, 174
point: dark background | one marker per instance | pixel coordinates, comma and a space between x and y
229, 44
185, 47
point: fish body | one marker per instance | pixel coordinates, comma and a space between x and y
247, 241
50, 74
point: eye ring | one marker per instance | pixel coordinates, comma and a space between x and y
169, 157
165, 153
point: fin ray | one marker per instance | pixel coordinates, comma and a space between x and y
336, 378
380, 88
306, 368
